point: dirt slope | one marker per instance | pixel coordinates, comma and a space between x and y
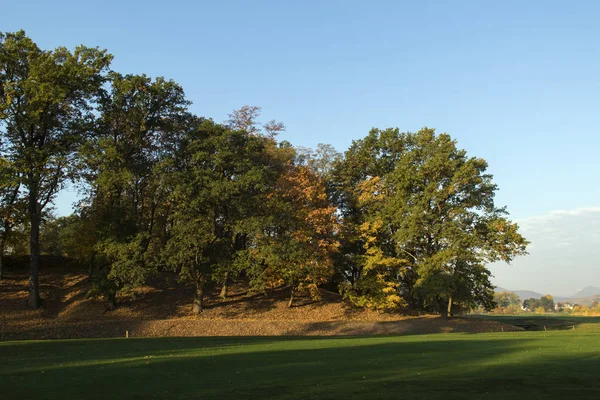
163, 309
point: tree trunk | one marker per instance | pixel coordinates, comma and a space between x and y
198, 299
91, 265
450, 306
225, 288
444, 313
34, 301
1, 258
443, 308
112, 302
291, 296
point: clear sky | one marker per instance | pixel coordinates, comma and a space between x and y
515, 82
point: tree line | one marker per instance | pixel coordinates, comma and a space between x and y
399, 220
510, 303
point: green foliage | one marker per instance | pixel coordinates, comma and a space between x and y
531, 304
46, 105
400, 220
507, 299
12, 206
221, 178
125, 161
507, 303
545, 302
378, 285
127, 260
435, 209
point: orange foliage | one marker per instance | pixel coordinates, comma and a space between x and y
301, 252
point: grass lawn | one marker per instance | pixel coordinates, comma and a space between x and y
557, 364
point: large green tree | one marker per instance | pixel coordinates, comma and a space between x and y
434, 209
221, 177
139, 124
46, 104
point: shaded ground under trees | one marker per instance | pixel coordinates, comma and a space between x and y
164, 310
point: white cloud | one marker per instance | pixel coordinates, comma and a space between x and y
564, 253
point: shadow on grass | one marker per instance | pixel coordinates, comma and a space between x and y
210, 327
532, 322
300, 368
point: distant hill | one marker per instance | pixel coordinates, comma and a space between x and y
523, 294
585, 300
583, 296
587, 292
528, 294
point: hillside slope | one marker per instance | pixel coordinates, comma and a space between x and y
164, 309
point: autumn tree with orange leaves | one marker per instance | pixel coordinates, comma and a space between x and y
296, 246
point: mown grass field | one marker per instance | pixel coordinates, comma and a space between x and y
554, 364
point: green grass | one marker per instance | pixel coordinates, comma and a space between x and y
561, 364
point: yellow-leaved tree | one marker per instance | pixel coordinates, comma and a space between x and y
378, 287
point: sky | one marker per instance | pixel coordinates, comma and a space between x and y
516, 83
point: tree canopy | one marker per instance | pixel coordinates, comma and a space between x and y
46, 106
421, 220
400, 220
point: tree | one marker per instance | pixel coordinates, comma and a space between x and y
321, 161
77, 238
49, 235
540, 310
221, 177
436, 211
46, 104
374, 282
547, 302
297, 245
531, 304
246, 119
140, 123
507, 299
71, 237
11, 204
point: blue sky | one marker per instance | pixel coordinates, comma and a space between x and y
515, 82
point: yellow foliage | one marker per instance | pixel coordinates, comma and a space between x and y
540, 310
370, 190
379, 285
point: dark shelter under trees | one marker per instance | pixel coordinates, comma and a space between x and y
400, 221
